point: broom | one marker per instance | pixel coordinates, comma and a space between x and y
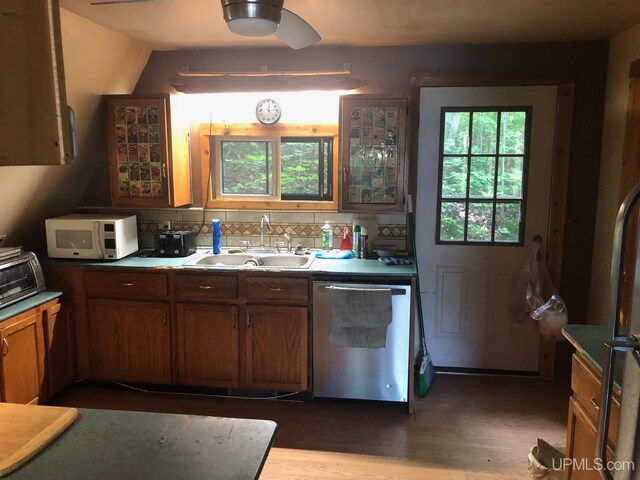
427, 372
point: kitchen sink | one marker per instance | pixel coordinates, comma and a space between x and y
251, 260
287, 260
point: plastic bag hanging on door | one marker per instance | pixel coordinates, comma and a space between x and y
534, 296
531, 286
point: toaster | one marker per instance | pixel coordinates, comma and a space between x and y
175, 243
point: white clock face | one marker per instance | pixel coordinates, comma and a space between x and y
268, 111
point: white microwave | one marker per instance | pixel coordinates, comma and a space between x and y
107, 237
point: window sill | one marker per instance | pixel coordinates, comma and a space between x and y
273, 205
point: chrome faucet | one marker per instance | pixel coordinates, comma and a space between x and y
289, 241
262, 220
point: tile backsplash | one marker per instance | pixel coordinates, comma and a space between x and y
239, 225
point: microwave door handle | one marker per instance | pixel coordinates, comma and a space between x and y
98, 239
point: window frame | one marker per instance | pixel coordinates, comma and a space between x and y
324, 155
494, 200
252, 131
217, 171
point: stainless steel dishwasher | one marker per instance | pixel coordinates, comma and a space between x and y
362, 373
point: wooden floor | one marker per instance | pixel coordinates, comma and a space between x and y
467, 427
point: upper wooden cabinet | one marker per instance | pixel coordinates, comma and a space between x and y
372, 160
35, 123
148, 145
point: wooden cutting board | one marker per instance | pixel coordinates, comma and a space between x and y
27, 429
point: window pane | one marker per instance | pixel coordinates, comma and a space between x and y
510, 177
454, 177
508, 222
456, 132
452, 218
485, 130
480, 222
482, 177
512, 127
247, 167
300, 168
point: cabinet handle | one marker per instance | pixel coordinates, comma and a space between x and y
205, 287
233, 322
594, 403
5, 347
164, 170
126, 284
248, 320
276, 289
164, 319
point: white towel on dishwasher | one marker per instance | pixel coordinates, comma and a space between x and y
360, 316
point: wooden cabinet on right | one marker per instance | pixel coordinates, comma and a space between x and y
583, 418
372, 153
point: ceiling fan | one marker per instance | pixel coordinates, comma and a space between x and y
257, 18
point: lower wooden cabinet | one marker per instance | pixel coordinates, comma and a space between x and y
130, 340
57, 324
21, 371
276, 354
207, 345
584, 412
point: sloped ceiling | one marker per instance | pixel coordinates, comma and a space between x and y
177, 24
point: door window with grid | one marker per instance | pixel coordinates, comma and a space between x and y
482, 175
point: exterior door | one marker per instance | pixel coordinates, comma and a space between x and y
484, 178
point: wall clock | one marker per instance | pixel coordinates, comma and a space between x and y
268, 111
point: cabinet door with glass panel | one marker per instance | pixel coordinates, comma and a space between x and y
148, 145
372, 132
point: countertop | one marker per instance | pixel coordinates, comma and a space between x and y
27, 304
107, 444
319, 266
589, 341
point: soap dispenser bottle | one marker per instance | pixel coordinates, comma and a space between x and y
327, 236
346, 240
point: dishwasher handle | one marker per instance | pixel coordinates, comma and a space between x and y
394, 291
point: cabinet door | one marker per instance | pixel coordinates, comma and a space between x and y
21, 358
58, 342
372, 132
130, 341
148, 152
207, 345
34, 118
276, 347
581, 444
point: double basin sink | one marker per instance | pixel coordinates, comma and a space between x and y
251, 260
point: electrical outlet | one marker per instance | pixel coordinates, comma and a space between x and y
2, 238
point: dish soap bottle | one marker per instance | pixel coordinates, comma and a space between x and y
327, 236
346, 241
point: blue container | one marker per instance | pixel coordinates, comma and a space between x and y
217, 241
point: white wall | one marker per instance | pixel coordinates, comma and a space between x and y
624, 48
97, 61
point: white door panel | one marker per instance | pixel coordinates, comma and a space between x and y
466, 289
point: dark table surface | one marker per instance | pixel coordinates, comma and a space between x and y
106, 444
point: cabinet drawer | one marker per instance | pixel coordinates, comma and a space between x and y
586, 390
283, 290
203, 287
126, 284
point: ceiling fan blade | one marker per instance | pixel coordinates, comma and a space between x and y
295, 32
115, 2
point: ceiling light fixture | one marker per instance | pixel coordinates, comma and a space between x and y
258, 18
252, 18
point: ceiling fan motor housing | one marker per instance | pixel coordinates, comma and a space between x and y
270, 10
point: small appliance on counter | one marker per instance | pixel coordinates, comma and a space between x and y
88, 236
20, 276
175, 243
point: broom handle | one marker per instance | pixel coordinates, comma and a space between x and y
412, 235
